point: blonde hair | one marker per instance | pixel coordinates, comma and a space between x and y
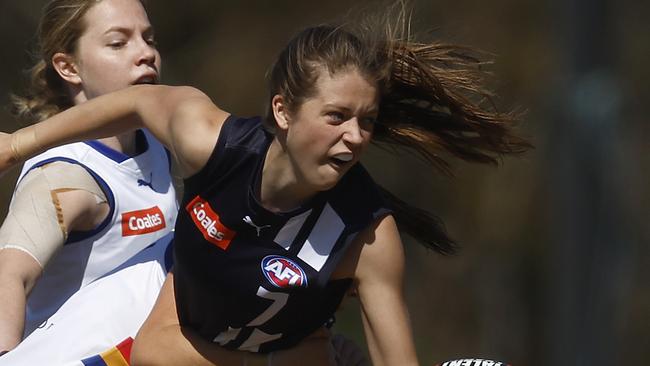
59, 29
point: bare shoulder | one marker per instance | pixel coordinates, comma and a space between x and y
195, 127
375, 252
193, 106
381, 254
190, 124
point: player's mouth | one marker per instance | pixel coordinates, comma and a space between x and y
341, 159
150, 79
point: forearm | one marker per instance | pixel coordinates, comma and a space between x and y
389, 335
19, 271
12, 311
162, 341
183, 119
164, 344
174, 345
104, 116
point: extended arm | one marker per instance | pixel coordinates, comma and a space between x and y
182, 118
18, 271
379, 276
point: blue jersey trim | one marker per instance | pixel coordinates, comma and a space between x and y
110, 153
77, 236
118, 156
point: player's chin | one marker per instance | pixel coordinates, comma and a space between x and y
327, 177
473, 362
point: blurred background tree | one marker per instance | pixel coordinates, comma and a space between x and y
555, 261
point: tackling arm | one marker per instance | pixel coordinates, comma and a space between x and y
163, 341
184, 119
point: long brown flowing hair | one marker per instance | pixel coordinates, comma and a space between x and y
433, 100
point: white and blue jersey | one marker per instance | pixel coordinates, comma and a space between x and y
255, 280
100, 315
143, 209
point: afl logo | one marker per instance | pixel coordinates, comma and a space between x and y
283, 272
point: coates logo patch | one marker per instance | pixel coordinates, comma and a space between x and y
208, 222
142, 221
283, 272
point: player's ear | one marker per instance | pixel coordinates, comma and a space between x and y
65, 65
280, 112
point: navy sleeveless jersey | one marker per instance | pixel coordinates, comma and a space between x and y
255, 280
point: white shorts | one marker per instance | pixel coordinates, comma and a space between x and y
100, 315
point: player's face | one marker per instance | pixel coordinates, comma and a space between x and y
117, 49
329, 131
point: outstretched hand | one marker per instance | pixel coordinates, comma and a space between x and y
7, 158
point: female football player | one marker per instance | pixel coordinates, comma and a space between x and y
81, 210
279, 219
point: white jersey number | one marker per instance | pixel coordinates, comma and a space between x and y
257, 337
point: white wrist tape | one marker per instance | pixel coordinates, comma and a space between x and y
23, 143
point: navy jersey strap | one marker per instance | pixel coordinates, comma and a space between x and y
212, 164
237, 135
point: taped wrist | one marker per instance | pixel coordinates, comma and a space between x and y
24, 143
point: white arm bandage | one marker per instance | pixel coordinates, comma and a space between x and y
34, 223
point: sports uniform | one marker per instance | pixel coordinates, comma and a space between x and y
142, 210
100, 315
254, 280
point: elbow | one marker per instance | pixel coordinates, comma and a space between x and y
145, 350
143, 354
152, 346
18, 270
